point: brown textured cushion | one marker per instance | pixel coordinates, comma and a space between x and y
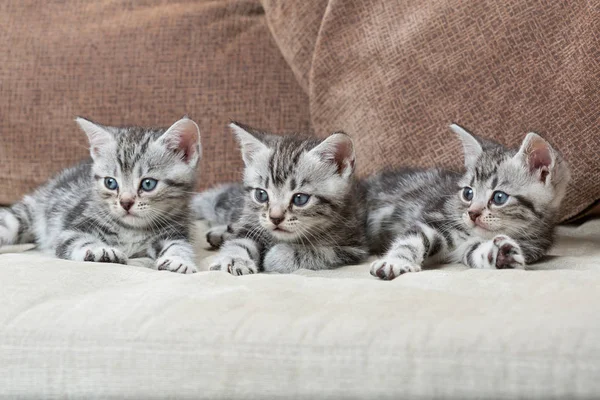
296, 25
395, 74
135, 62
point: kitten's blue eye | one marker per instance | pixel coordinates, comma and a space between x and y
467, 193
300, 199
499, 198
148, 184
111, 183
261, 196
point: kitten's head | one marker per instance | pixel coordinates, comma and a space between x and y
510, 191
296, 186
144, 175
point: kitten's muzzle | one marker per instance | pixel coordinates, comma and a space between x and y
126, 204
276, 215
473, 215
276, 220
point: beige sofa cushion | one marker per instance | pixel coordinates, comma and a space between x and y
88, 330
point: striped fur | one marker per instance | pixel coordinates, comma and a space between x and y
278, 235
77, 217
220, 206
418, 217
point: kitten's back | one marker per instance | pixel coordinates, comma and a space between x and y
221, 205
397, 199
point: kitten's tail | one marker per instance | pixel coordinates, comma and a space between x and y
221, 205
16, 223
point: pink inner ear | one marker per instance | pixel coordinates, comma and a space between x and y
183, 138
187, 144
539, 158
342, 153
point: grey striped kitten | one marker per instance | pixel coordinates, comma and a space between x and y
130, 200
499, 214
301, 208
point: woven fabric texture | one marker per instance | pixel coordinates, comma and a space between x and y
135, 62
391, 74
394, 75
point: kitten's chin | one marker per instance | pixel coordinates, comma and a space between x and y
134, 221
283, 235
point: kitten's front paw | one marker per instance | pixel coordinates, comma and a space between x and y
389, 268
9, 226
234, 265
100, 254
176, 264
5, 236
508, 253
281, 258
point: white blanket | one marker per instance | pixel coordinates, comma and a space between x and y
88, 330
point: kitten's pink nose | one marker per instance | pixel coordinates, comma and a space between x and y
276, 220
127, 203
474, 214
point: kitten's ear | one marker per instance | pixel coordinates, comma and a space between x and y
338, 149
183, 137
100, 138
471, 147
537, 155
250, 142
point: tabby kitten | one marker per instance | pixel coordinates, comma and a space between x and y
499, 214
301, 205
130, 200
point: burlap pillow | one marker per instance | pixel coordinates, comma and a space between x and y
134, 62
395, 74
